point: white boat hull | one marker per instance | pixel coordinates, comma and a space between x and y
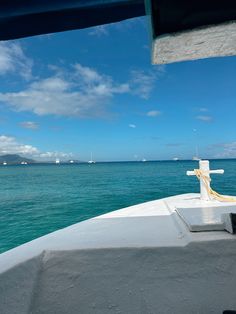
141, 259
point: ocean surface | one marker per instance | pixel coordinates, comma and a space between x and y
38, 199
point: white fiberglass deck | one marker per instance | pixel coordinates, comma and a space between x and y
141, 259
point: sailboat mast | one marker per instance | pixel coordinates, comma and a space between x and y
197, 151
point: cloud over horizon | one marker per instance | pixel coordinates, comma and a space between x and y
225, 150
10, 145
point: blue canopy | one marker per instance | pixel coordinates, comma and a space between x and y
22, 18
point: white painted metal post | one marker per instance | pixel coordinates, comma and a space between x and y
204, 167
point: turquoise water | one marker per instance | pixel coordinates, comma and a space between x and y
39, 199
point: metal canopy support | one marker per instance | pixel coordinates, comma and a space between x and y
192, 29
22, 18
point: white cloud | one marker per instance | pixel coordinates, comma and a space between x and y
203, 109
29, 125
133, 126
142, 83
89, 75
54, 155
104, 30
81, 91
99, 31
101, 84
204, 118
10, 145
51, 84
13, 60
227, 150
153, 113
161, 69
78, 91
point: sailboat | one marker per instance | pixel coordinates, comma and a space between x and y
196, 157
91, 161
175, 159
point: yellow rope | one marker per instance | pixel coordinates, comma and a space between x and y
206, 180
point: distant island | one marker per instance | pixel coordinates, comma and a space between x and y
15, 159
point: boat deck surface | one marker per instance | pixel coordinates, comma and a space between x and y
151, 224
141, 259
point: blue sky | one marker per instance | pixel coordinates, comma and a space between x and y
67, 94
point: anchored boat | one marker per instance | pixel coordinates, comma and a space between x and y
91, 161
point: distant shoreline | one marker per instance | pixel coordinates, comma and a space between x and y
48, 163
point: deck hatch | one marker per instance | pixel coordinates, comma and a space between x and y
206, 218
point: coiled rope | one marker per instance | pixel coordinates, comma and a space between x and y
206, 180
